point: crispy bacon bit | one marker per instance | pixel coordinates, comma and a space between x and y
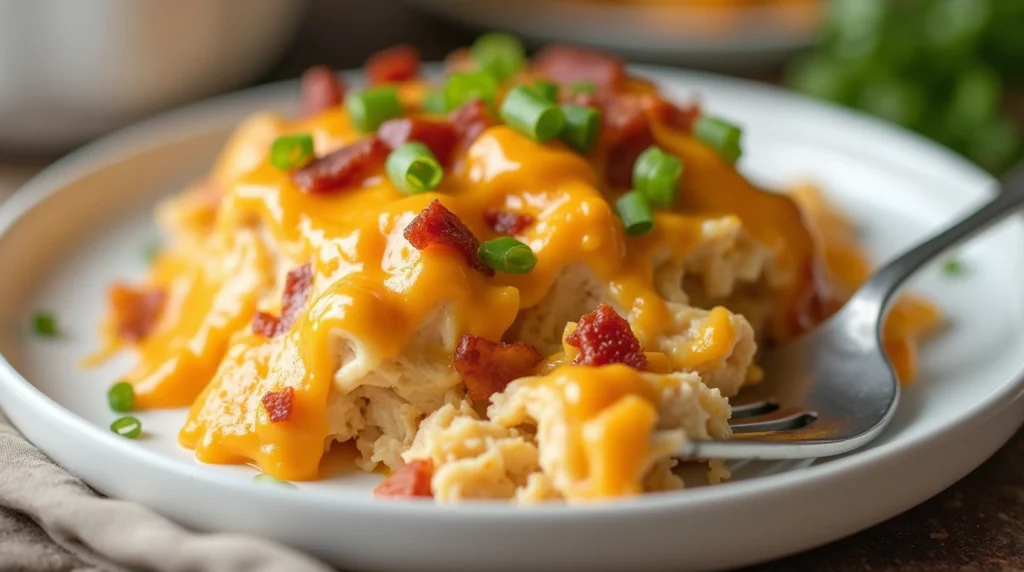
279, 404
487, 367
680, 118
439, 137
470, 120
321, 89
813, 301
504, 222
626, 132
618, 168
266, 325
571, 64
297, 285
412, 480
624, 118
393, 65
343, 167
604, 337
458, 61
438, 226
136, 310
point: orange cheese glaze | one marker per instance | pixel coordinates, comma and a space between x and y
371, 284
910, 318
209, 298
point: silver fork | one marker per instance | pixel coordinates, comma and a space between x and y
833, 390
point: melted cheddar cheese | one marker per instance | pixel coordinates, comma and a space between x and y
910, 319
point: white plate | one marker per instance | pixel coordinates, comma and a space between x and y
85, 222
668, 32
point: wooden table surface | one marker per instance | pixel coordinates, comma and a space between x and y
975, 525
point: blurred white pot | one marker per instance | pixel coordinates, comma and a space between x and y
73, 69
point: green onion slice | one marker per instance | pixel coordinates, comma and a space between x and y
370, 107
720, 135
529, 113
121, 397
582, 126
506, 254
953, 267
498, 54
433, 102
465, 87
546, 90
656, 174
127, 427
413, 168
635, 213
289, 152
44, 324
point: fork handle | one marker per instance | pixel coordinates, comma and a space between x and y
879, 289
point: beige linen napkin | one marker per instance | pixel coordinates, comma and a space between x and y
76, 529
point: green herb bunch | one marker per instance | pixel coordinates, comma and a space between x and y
938, 67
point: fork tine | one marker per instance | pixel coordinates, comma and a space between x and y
754, 409
794, 421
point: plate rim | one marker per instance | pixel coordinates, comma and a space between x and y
183, 121
738, 49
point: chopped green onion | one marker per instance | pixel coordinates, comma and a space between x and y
370, 107
656, 174
127, 427
582, 126
635, 213
582, 87
722, 136
433, 102
953, 267
413, 168
546, 89
465, 87
531, 114
44, 324
271, 480
121, 397
506, 254
499, 54
289, 152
